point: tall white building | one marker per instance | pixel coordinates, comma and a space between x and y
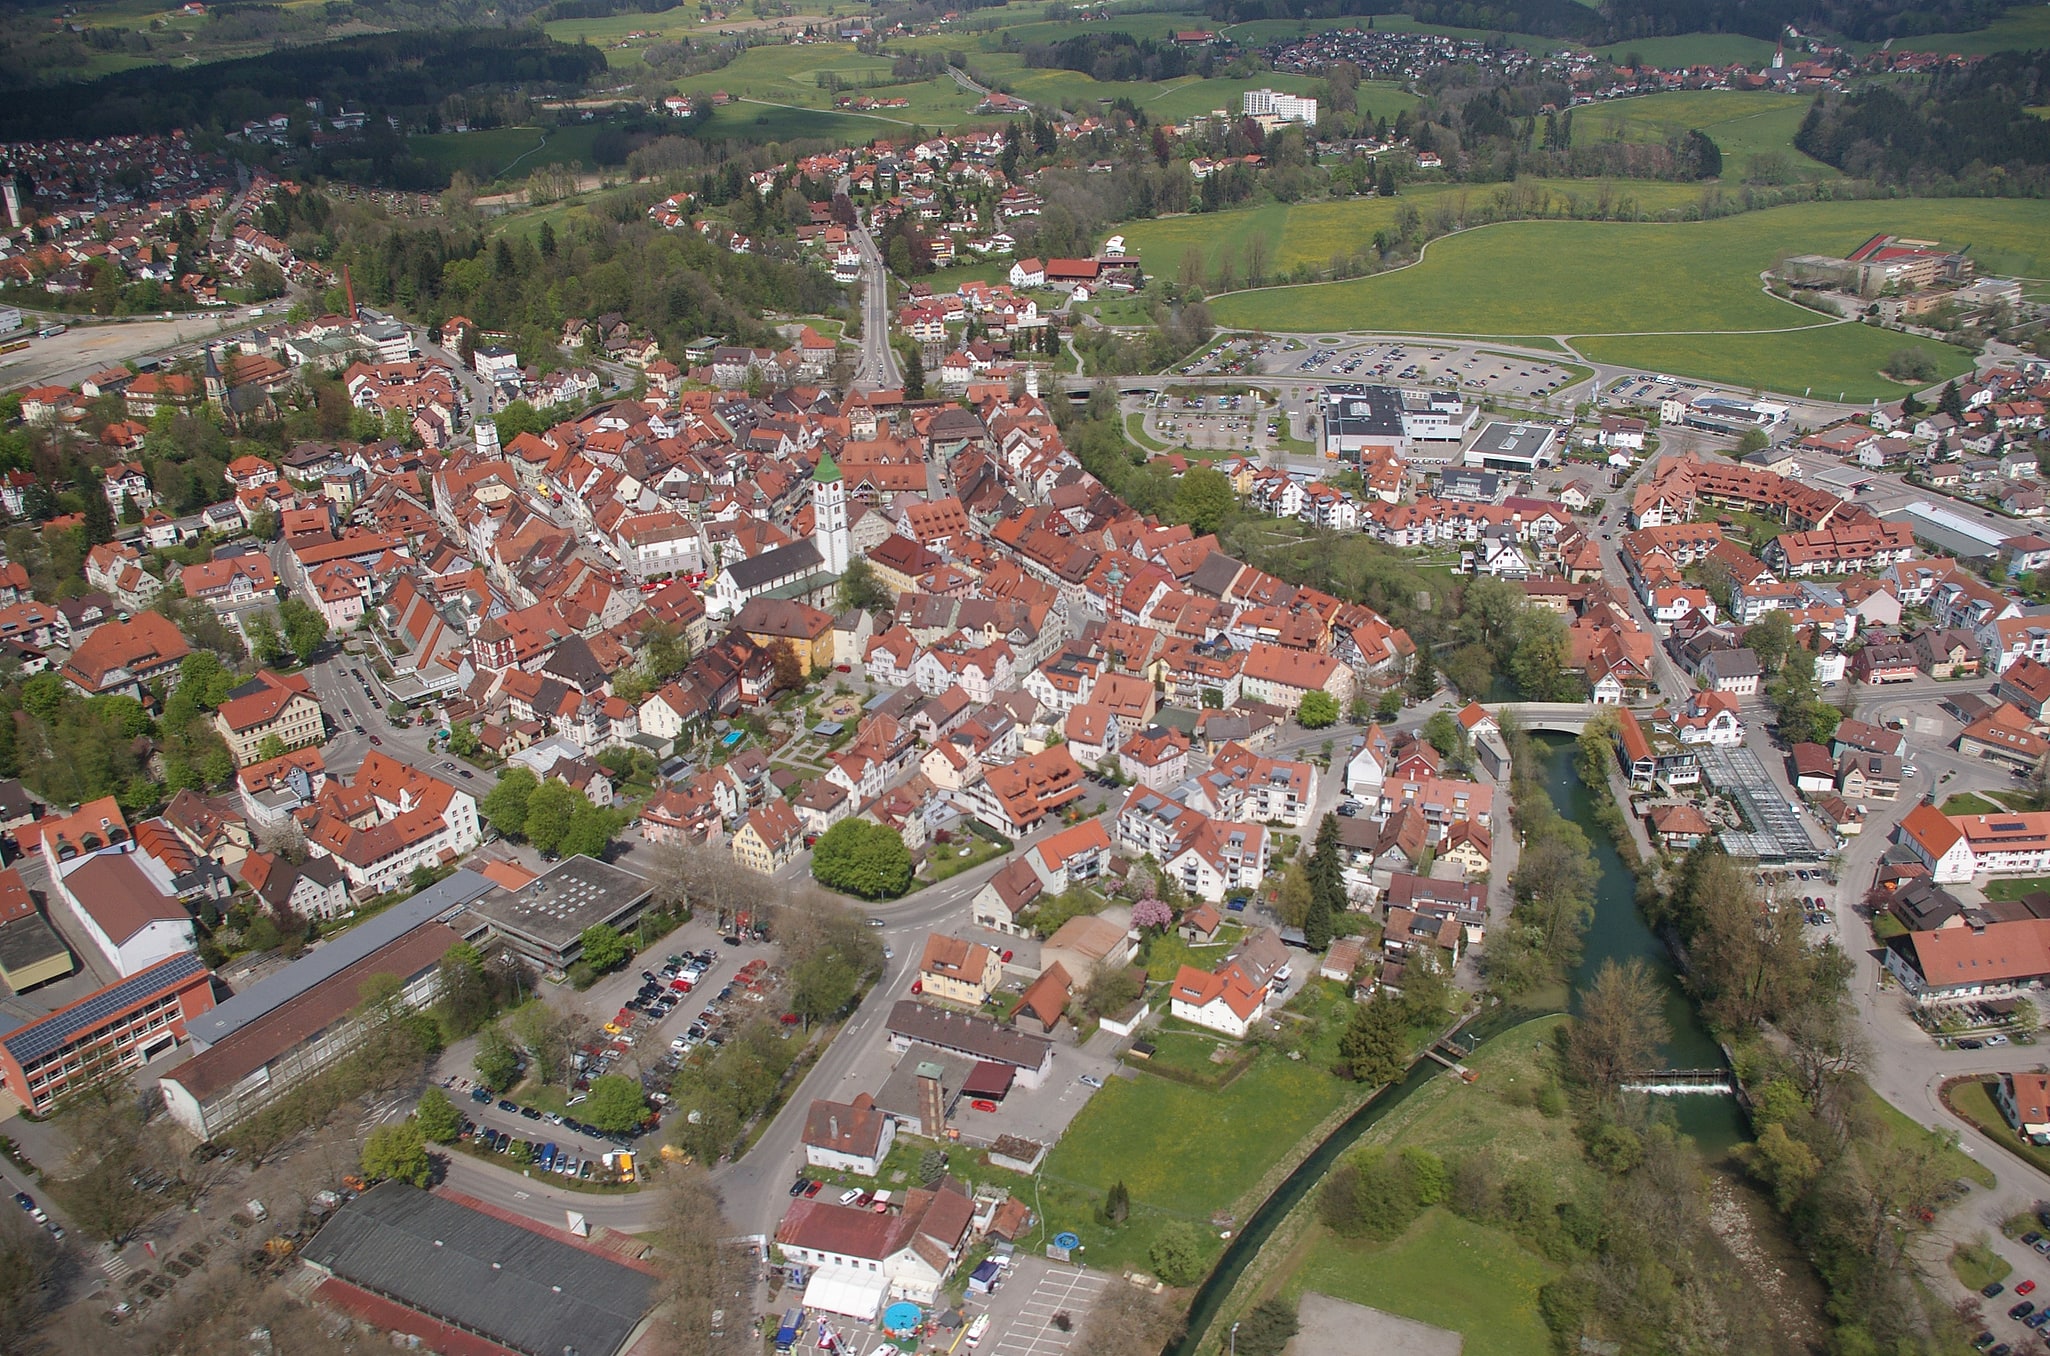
829, 513
1267, 103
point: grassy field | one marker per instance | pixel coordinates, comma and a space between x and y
2024, 27
1976, 1265
1690, 49
1666, 290
1829, 361
1908, 1130
1315, 233
1443, 1271
765, 122
1151, 1133
1742, 125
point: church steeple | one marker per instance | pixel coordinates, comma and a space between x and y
829, 513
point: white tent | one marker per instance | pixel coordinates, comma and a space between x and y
842, 1290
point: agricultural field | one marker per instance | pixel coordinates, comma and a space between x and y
508, 151
1314, 232
1692, 49
1664, 289
2023, 28
1741, 124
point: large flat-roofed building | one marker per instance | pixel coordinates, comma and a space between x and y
444, 901
1416, 425
31, 952
545, 919
1504, 446
516, 1284
1356, 420
266, 1058
120, 1027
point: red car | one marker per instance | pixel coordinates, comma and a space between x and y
813, 1189
983, 1104
2025, 1287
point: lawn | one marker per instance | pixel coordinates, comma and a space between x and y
2016, 887
763, 122
1973, 1099
1907, 1130
1965, 803
1445, 1271
1183, 1152
1977, 1266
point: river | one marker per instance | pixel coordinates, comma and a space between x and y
1618, 932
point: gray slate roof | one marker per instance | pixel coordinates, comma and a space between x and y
518, 1288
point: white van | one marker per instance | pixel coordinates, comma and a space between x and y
850, 1196
975, 1333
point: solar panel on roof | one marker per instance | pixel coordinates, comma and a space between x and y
54, 1032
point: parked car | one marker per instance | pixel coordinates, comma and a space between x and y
983, 1104
1090, 1081
797, 1187
2022, 1310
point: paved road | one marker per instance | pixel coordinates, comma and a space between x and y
876, 369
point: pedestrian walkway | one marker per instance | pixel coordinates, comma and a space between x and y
115, 1265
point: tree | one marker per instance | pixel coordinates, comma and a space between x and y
604, 947
1752, 440
550, 811
829, 953
505, 806
1375, 1045
1266, 1328
1126, 1319
1470, 669
1117, 1203
463, 741
1444, 733
590, 830
914, 374
398, 1153
1538, 663
1112, 989
497, 1063
1771, 637
1316, 710
1202, 499
1619, 1030
99, 517
1177, 1253
1327, 886
696, 1271
1151, 915
1951, 402
437, 1117
466, 997
861, 590
1910, 365
862, 858
304, 627
615, 1103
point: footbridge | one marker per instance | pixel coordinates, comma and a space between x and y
1549, 717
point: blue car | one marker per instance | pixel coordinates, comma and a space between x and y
481, 1096
547, 1156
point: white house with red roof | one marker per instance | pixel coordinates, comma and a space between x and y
1226, 1000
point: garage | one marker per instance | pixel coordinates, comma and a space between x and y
989, 1080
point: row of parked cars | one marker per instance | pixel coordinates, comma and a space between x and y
2026, 1312
35, 1212
482, 1096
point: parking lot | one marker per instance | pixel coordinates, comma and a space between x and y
1022, 1313
1483, 371
1231, 422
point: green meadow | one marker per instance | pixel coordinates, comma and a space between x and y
1741, 124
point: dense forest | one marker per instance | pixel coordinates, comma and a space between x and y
1119, 56
677, 284
400, 74
1625, 20
1970, 129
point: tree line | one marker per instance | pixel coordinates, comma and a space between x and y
1968, 131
